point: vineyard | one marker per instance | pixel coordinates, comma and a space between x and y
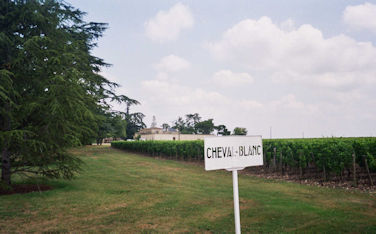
319, 157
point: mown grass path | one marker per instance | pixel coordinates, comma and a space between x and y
125, 193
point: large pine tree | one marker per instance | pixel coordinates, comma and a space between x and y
50, 89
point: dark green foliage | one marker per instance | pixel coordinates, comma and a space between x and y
165, 126
119, 125
134, 123
50, 89
184, 150
222, 130
187, 126
240, 131
179, 124
333, 153
112, 125
205, 127
191, 121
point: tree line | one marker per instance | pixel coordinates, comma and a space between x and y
192, 124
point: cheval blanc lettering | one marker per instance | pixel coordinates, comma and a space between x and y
228, 151
252, 150
232, 152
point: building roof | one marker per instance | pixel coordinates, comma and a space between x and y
151, 128
168, 129
172, 130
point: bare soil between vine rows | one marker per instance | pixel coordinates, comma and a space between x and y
362, 185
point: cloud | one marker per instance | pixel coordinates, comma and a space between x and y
301, 55
353, 97
336, 113
360, 16
175, 100
289, 104
177, 96
162, 76
250, 104
288, 25
166, 26
227, 78
172, 63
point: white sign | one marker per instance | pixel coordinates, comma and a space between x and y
233, 152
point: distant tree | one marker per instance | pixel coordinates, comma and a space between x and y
222, 130
187, 126
179, 124
165, 126
134, 124
153, 123
134, 120
112, 123
190, 121
105, 128
129, 102
205, 127
119, 125
240, 131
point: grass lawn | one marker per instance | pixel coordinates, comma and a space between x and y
125, 193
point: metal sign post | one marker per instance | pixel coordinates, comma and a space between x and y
233, 153
235, 189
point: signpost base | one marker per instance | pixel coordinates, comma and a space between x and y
236, 198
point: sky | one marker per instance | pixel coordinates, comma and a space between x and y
281, 69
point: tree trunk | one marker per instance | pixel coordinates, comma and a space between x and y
198, 153
263, 164
5, 154
367, 169
5, 167
280, 162
354, 170
348, 173
314, 163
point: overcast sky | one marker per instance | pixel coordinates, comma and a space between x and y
293, 66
